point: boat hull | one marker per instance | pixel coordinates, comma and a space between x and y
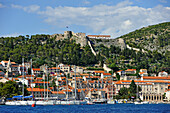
17, 103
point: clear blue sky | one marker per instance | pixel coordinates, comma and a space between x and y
112, 17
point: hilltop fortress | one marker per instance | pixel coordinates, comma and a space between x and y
96, 40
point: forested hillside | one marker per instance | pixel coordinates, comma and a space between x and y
46, 49
152, 38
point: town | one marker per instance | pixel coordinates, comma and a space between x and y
68, 81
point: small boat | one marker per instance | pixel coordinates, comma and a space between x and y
2, 101
45, 102
90, 103
111, 102
16, 103
138, 102
102, 101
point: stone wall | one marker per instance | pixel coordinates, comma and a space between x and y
108, 42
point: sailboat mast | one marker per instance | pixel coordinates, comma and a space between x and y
31, 80
67, 85
57, 81
44, 82
137, 88
47, 83
75, 82
23, 79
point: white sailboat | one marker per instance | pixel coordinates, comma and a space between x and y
21, 102
71, 102
31, 102
45, 101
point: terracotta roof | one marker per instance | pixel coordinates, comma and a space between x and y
107, 74
36, 69
54, 68
36, 89
69, 79
84, 74
79, 90
143, 69
147, 82
94, 89
98, 35
141, 72
25, 76
14, 79
129, 82
91, 81
94, 76
99, 71
158, 78
40, 82
39, 78
8, 61
163, 72
130, 70
65, 90
168, 90
14, 66
63, 77
119, 71
160, 81
57, 92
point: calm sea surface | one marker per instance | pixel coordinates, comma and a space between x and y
116, 108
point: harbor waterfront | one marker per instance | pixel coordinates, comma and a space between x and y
105, 108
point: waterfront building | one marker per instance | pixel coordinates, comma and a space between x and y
151, 90
163, 74
167, 95
64, 68
39, 93
130, 71
37, 71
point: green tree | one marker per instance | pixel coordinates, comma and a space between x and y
133, 88
123, 92
11, 88
117, 76
114, 67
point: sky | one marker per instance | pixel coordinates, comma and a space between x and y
93, 17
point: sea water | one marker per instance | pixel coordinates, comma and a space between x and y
103, 108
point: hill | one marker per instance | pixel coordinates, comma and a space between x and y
72, 48
151, 38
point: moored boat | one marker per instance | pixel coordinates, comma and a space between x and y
111, 102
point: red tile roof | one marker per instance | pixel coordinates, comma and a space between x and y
39, 82
130, 70
107, 74
54, 68
36, 69
84, 74
119, 71
158, 78
8, 61
141, 72
36, 89
99, 71
79, 90
39, 78
57, 92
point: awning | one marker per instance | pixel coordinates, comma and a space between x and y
18, 96
28, 96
